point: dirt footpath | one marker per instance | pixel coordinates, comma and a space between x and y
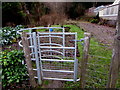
103, 34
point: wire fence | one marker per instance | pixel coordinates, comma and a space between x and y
98, 66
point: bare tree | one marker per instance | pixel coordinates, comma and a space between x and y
28, 18
56, 7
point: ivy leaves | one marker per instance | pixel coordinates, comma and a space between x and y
13, 71
9, 34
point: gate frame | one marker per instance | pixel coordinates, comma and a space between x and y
36, 46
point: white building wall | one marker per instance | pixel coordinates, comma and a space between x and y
110, 12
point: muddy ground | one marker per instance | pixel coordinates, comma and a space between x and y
103, 34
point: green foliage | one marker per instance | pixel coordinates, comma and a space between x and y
67, 29
86, 18
9, 34
12, 12
13, 71
46, 82
94, 21
23, 12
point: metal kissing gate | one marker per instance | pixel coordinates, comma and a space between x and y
52, 54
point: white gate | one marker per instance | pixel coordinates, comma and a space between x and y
53, 53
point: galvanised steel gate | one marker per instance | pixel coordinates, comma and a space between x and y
53, 53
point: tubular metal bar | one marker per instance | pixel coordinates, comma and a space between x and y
51, 44
60, 33
52, 36
36, 57
50, 41
58, 47
35, 69
76, 61
33, 59
75, 69
20, 43
31, 39
63, 42
64, 71
31, 46
52, 51
52, 56
33, 53
47, 78
57, 60
37, 28
40, 55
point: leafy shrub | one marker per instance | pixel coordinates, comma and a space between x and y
86, 18
9, 34
94, 21
67, 29
13, 71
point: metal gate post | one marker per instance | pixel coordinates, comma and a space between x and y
75, 60
63, 42
31, 39
75, 69
50, 40
37, 58
40, 62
